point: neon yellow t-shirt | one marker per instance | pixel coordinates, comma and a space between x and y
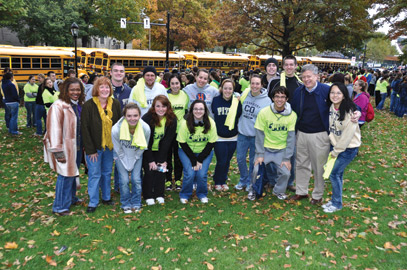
275, 127
198, 140
28, 88
382, 86
179, 104
158, 134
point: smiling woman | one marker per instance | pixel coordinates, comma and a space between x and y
99, 114
62, 143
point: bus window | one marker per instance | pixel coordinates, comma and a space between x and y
4, 62
45, 63
55, 63
16, 63
161, 63
131, 63
145, 63
36, 63
126, 63
91, 60
155, 63
138, 63
98, 61
26, 62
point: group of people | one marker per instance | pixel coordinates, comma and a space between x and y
159, 135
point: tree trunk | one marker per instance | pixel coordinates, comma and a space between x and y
225, 48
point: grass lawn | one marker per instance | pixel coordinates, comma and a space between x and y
228, 233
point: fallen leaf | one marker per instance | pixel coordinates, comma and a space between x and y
11, 245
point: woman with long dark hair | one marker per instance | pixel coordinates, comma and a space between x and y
163, 126
197, 137
345, 140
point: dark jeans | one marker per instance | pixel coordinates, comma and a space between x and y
40, 113
30, 107
177, 163
224, 152
153, 181
378, 98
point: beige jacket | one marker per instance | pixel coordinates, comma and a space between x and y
343, 134
61, 137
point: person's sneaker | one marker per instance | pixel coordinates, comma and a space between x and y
239, 186
218, 187
183, 201
251, 196
248, 188
168, 186
225, 187
331, 209
127, 210
204, 200
150, 202
178, 185
160, 200
280, 196
194, 186
328, 204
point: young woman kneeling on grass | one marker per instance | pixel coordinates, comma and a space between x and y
130, 136
196, 136
345, 140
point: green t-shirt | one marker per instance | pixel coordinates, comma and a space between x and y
29, 89
275, 127
244, 83
382, 86
179, 104
198, 140
158, 134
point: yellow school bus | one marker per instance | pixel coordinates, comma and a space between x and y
216, 60
25, 61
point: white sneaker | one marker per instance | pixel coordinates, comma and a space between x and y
251, 196
127, 210
239, 186
331, 209
160, 200
280, 196
248, 188
184, 201
204, 200
328, 204
218, 187
225, 187
150, 202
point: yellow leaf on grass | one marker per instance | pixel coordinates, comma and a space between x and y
11, 245
50, 261
56, 233
210, 266
70, 261
402, 234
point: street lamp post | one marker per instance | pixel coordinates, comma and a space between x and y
75, 32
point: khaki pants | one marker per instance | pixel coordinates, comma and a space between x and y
312, 153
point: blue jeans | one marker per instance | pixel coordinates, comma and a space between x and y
40, 113
394, 100
200, 177
30, 107
13, 110
336, 176
7, 114
383, 99
63, 194
244, 144
224, 152
116, 179
271, 172
130, 199
99, 171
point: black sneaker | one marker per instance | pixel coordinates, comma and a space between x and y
90, 209
109, 202
178, 185
168, 185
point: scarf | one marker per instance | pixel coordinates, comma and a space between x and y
329, 166
106, 122
231, 117
282, 79
139, 94
244, 95
139, 140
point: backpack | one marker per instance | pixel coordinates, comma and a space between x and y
370, 113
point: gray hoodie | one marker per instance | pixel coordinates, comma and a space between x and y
123, 150
206, 93
286, 153
250, 108
151, 93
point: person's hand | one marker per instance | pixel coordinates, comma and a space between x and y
355, 116
287, 164
152, 166
259, 161
198, 166
164, 165
94, 157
